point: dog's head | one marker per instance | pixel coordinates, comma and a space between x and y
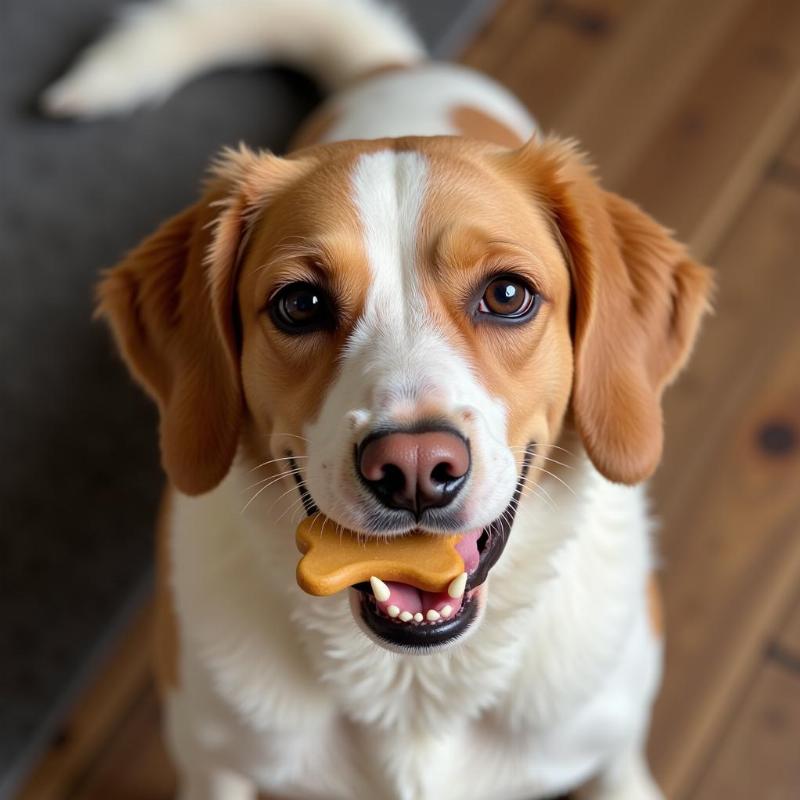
410, 322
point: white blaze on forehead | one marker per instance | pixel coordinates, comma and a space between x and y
389, 192
398, 355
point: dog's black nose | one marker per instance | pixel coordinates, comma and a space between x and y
414, 471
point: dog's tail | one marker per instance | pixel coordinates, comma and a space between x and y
154, 48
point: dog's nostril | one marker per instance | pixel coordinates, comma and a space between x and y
445, 472
393, 478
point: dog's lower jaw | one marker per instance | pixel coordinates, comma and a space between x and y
421, 636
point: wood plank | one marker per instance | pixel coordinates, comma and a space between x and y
730, 543
502, 34
623, 103
562, 46
96, 716
732, 557
133, 764
760, 756
789, 635
791, 154
696, 173
757, 286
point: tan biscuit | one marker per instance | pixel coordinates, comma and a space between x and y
335, 558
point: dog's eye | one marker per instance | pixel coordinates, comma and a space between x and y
508, 297
301, 308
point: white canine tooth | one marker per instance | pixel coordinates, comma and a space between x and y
432, 615
379, 589
406, 616
457, 586
393, 611
418, 617
446, 611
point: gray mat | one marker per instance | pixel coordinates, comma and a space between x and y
80, 478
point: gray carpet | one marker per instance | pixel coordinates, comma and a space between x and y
80, 477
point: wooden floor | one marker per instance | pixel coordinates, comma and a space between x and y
692, 108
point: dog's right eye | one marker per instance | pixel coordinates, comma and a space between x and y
301, 308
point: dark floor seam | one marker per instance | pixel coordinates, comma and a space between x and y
783, 656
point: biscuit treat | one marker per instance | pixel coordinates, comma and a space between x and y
335, 558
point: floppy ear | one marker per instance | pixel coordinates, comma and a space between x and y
171, 307
638, 300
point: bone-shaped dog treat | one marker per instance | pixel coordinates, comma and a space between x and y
334, 558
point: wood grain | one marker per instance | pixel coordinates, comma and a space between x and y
791, 154
728, 576
789, 636
134, 764
622, 105
762, 743
700, 167
550, 49
100, 712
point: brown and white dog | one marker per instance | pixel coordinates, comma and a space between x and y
424, 313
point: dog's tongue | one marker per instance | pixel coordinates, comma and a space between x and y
467, 547
414, 563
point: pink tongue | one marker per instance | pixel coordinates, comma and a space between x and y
467, 547
409, 598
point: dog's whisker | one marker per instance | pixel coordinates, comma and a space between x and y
273, 478
538, 456
295, 505
563, 449
537, 490
274, 460
263, 488
293, 435
556, 477
555, 461
278, 499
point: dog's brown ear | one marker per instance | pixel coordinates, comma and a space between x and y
171, 307
638, 300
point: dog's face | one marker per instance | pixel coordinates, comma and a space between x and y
409, 322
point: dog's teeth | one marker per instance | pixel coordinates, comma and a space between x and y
393, 611
457, 586
380, 589
432, 615
406, 616
446, 611
418, 617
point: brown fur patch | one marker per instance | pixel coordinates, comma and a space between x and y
477, 124
655, 606
170, 306
310, 233
480, 234
638, 298
165, 627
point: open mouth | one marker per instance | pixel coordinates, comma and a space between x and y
406, 617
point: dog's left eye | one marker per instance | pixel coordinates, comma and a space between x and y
301, 308
509, 298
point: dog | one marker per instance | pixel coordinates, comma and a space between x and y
428, 316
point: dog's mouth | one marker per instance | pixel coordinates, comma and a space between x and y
404, 617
